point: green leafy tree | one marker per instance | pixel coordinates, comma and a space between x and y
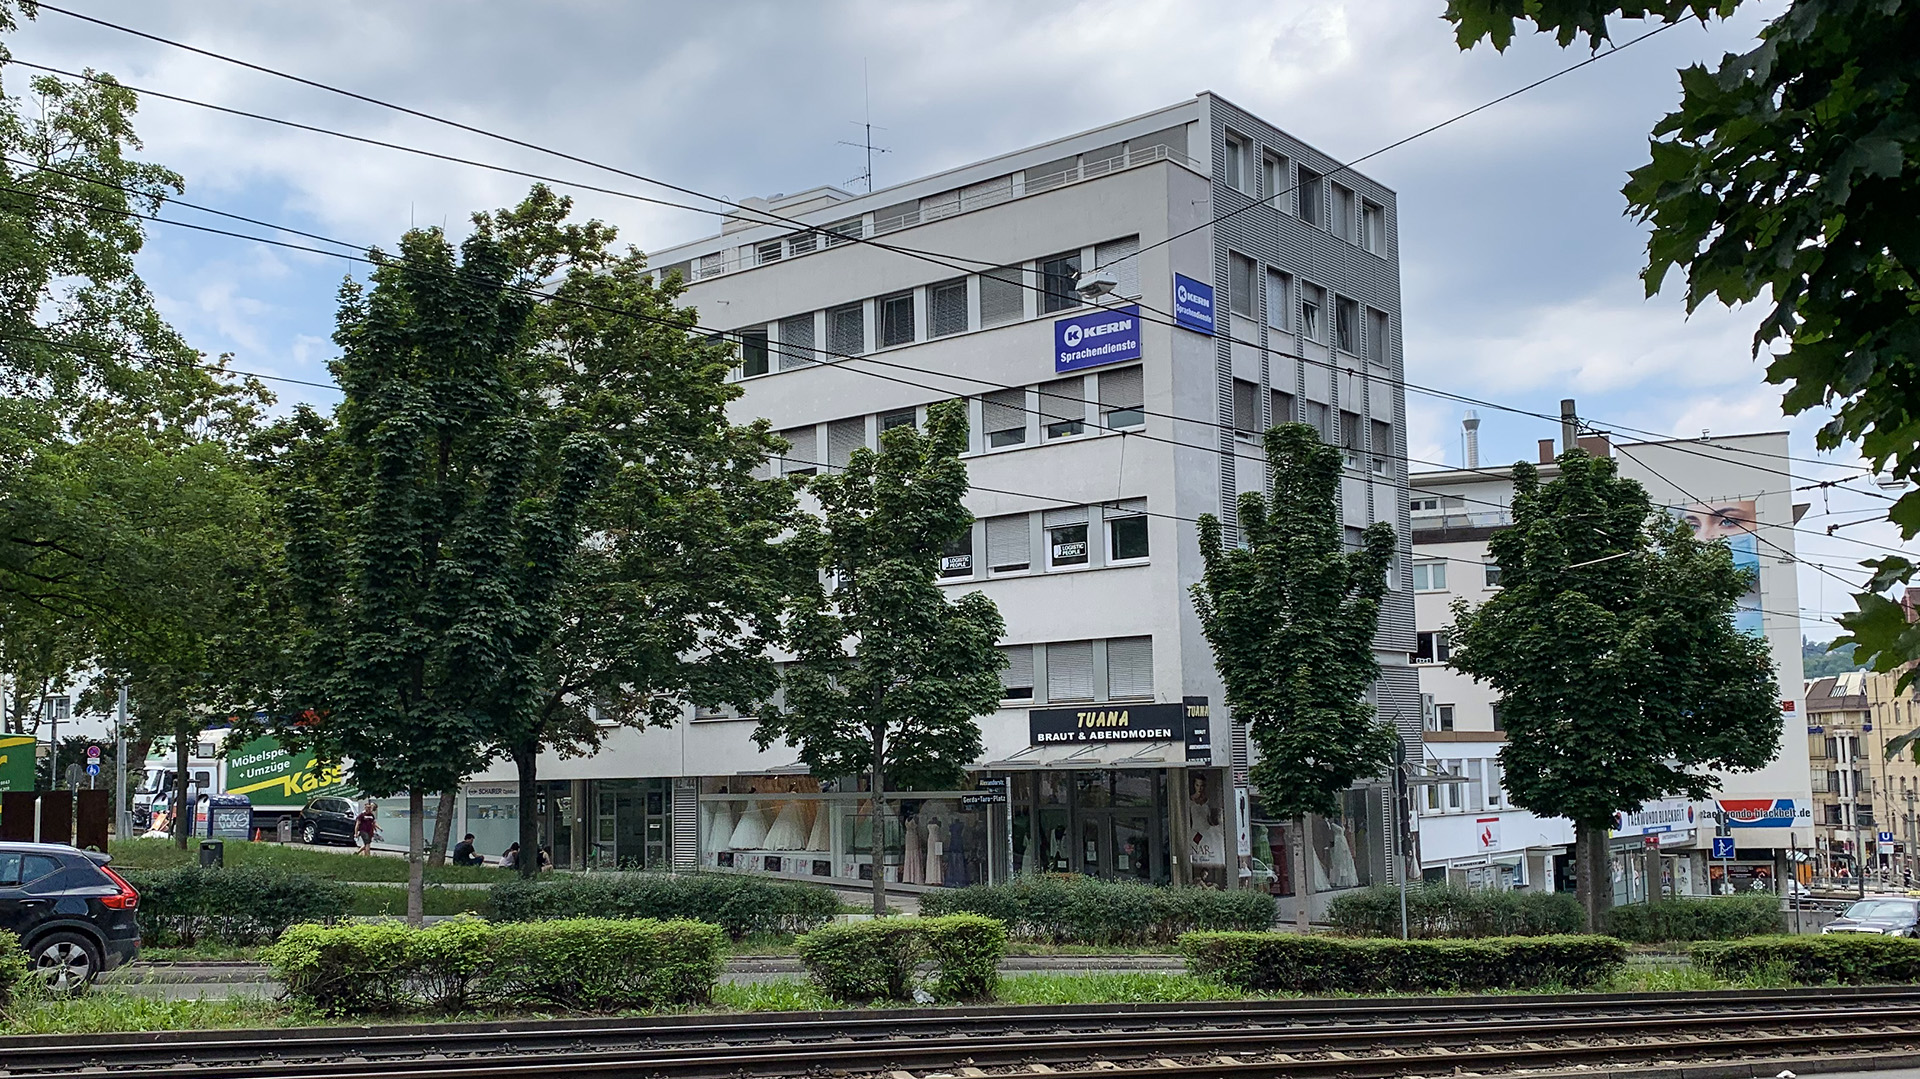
1789, 175
1611, 642
889, 676
1291, 616
1824, 660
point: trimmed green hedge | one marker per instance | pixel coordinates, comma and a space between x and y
859, 962
1843, 958
1286, 962
1722, 918
1086, 910
465, 963
14, 967
242, 905
1441, 910
741, 905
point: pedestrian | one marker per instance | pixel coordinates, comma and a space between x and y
511, 856
364, 827
546, 859
463, 853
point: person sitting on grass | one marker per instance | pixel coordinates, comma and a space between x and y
463, 852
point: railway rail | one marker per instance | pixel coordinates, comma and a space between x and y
1428, 1036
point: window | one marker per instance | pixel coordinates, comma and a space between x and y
1273, 180
1070, 671
1278, 300
1442, 718
1282, 407
1313, 316
1234, 169
947, 308
1350, 438
841, 232
1016, 678
1063, 407
1312, 210
1429, 576
799, 460
1345, 215
1240, 285
1009, 544
843, 437
956, 559
767, 252
1373, 228
796, 342
1346, 325
1246, 408
1130, 668
1003, 295
1376, 337
1127, 531
1122, 398
1430, 647
1321, 417
1003, 416
753, 352
1116, 257
802, 243
847, 330
1493, 573
1058, 277
1066, 537
903, 418
1382, 447
896, 319
1424, 505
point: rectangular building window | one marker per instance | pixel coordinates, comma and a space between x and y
1321, 417
896, 319
1279, 301
1442, 717
1312, 209
1009, 544
769, 251
1313, 313
1282, 407
1346, 215
1059, 276
1122, 398
796, 342
1066, 537
1003, 417
803, 243
1492, 573
1130, 668
1127, 531
1070, 671
947, 308
1430, 647
1350, 438
843, 437
1498, 725
1016, 678
1241, 297
1063, 407
1234, 168
1116, 257
799, 460
1381, 447
956, 559
1429, 576
1376, 337
1273, 181
1246, 408
902, 418
841, 232
753, 352
847, 330
1346, 325
1003, 295
1373, 228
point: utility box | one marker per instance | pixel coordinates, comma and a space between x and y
283, 830
213, 853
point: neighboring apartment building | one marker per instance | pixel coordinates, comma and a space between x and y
1098, 435
1866, 803
1733, 488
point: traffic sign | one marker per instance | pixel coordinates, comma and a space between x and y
93, 752
1723, 846
1886, 837
93, 767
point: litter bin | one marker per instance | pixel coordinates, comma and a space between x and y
213, 852
283, 830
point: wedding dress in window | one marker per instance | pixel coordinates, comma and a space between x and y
751, 832
719, 826
821, 839
789, 829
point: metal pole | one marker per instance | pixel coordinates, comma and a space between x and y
1400, 820
122, 824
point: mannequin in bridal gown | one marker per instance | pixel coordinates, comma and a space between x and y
789, 829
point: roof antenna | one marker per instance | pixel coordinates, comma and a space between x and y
866, 91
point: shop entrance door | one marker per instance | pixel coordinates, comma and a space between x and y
1116, 845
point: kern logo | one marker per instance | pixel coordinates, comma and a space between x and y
1072, 336
1193, 304
1103, 337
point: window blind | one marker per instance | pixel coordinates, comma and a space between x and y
1282, 407
796, 341
1016, 678
1246, 407
1070, 515
1009, 543
947, 308
1002, 296
1129, 667
800, 458
1070, 671
847, 330
1126, 275
1122, 397
1063, 399
1004, 410
843, 437
1278, 305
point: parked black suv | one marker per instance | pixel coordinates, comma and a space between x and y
74, 915
327, 819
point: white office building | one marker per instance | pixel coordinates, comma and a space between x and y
1735, 488
1099, 431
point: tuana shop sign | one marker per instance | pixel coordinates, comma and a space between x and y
1108, 723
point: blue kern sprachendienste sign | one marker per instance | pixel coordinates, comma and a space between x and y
1091, 340
1193, 304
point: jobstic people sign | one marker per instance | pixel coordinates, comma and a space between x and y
1091, 340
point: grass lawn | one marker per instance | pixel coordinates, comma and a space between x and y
335, 863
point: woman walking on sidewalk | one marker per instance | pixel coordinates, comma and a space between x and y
364, 827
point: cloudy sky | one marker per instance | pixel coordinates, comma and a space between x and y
1519, 268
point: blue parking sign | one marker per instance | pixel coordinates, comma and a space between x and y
1723, 846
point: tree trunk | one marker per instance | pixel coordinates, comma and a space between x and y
1302, 889
526, 764
182, 812
1593, 869
442, 828
878, 846
416, 858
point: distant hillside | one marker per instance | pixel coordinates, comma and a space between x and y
1820, 663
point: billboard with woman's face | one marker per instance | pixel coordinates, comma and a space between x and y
1735, 523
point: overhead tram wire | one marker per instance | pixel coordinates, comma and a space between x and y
695, 328
935, 257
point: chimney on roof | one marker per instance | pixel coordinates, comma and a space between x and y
1470, 436
1546, 451
1596, 445
1569, 425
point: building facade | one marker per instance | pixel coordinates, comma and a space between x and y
1250, 282
1735, 489
1866, 815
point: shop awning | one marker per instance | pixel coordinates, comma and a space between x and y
1095, 755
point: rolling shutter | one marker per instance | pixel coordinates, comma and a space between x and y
1016, 678
796, 342
1003, 296
1009, 543
1130, 667
843, 437
1126, 274
1070, 671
